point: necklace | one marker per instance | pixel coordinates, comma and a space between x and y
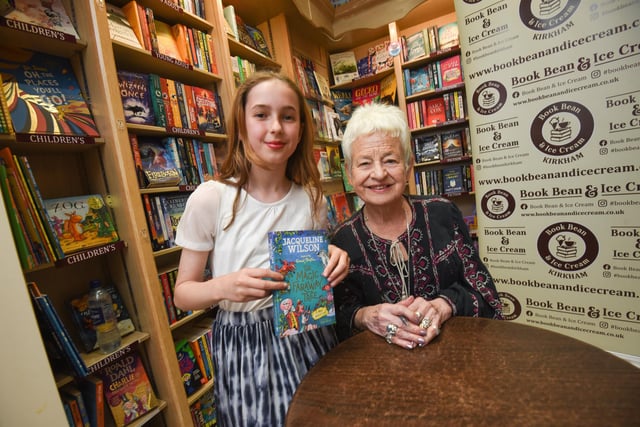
396, 258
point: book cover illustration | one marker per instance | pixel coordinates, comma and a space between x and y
435, 111
136, 98
81, 222
342, 103
450, 71
448, 35
127, 389
366, 94
344, 67
208, 110
49, 14
159, 166
427, 148
341, 206
452, 145
82, 318
416, 46
419, 80
301, 256
452, 180
43, 94
333, 155
192, 376
173, 207
388, 90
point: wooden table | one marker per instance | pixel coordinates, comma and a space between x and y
478, 372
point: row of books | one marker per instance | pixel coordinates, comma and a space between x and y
327, 123
436, 111
47, 230
83, 403
174, 43
339, 209
313, 84
50, 15
429, 41
328, 161
345, 67
446, 146
167, 285
449, 181
440, 74
149, 99
6, 125
194, 348
163, 214
241, 68
172, 161
246, 34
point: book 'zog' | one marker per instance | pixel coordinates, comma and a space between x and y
301, 256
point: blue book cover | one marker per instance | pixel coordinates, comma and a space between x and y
452, 180
301, 255
342, 103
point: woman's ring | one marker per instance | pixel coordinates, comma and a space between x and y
425, 323
391, 332
437, 329
418, 315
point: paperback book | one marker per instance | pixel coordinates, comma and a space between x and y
344, 67
366, 94
208, 110
450, 71
342, 103
136, 98
158, 163
120, 29
51, 103
81, 222
301, 256
127, 389
452, 145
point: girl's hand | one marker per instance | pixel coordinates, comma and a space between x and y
338, 266
250, 284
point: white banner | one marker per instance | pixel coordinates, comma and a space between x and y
553, 94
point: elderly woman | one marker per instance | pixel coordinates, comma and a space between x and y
413, 263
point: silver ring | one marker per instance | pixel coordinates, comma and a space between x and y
425, 323
418, 315
437, 329
392, 330
388, 338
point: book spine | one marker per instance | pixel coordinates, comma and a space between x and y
157, 101
166, 100
155, 242
192, 113
135, 151
175, 104
153, 35
168, 298
144, 24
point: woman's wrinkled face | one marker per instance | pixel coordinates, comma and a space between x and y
378, 172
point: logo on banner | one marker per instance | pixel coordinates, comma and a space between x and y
498, 204
569, 247
544, 15
489, 97
511, 307
561, 129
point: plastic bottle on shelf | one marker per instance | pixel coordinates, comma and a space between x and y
103, 318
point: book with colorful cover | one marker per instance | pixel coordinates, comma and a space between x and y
452, 144
158, 163
190, 371
366, 94
127, 389
208, 110
419, 80
427, 148
450, 71
120, 28
81, 222
173, 205
52, 103
301, 256
333, 155
388, 89
342, 103
72, 392
136, 98
448, 36
341, 206
81, 316
203, 410
50, 14
167, 44
416, 46
453, 179
258, 40
435, 111
344, 67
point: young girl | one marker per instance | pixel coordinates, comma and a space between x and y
268, 181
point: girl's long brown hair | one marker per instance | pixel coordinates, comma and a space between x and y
301, 166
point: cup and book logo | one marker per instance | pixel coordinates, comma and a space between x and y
498, 204
489, 97
544, 15
562, 129
569, 247
511, 307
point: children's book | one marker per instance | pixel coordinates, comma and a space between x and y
49, 14
366, 94
82, 318
92, 389
136, 98
208, 110
333, 155
342, 103
43, 94
419, 80
173, 205
344, 67
341, 206
450, 71
258, 40
81, 222
158, 163
448, 35
189, 369
120, 29
127, 389
301, 256
388, 89
322, 161
416, 46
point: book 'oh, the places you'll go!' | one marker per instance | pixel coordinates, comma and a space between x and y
301, 256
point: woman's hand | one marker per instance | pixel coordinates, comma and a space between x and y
410, 323
338, 266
